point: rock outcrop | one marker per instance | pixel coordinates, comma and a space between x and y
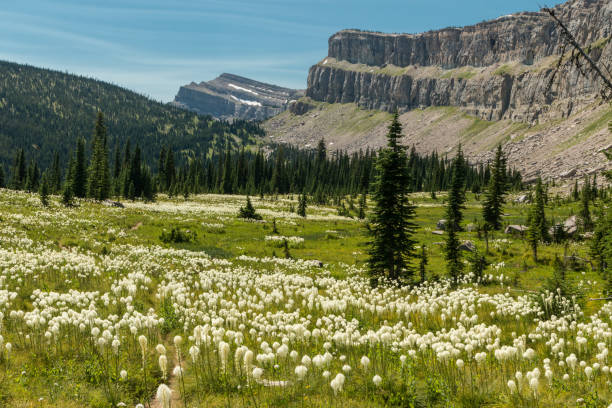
495, 70
234, 97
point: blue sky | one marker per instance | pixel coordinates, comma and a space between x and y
154, 46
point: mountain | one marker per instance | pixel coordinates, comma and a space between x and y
478, 85
44, 111
234, 97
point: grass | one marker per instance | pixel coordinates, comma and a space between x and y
67, 262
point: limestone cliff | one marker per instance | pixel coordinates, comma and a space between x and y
494, 70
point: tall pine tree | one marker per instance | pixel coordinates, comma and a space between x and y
496, 192
456, 204
79, 172
99, 178
392, 246
538, 226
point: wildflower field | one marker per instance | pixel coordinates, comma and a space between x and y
97, 310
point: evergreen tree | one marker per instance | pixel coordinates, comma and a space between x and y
278, 174
478, 264
456, 200
67, 197
362, 206
43, 191
585, 212
170, 171
423, 263
248, 211
99, 178
495, 196
456, 204
538, 226
55, 175
302, 204
226, 181
2, 177
392, 245
19, 171
79, 173
135, 175
33, 177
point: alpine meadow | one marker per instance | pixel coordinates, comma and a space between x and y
427, 224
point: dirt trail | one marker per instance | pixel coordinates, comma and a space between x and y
173, 383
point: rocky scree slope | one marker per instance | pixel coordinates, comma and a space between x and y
234, 97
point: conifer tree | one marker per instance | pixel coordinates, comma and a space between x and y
362, 206
55, 175
456, 204
19, 172
2, 176
585, 212
392, 246
278, 174
99, 178
67, 196
43, 191
226, 181
538, 226
248, 211
33, 177
170, 172
498, 188
79, 173
423, 263
302, 204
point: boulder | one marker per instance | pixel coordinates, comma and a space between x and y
467, 246
111, 203
571, 225
522, 199
517, 230
441, 224
437, 232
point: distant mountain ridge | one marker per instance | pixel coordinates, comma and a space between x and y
231, 96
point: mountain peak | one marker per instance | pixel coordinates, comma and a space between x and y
231, 96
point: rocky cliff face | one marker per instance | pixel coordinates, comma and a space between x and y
234, 97
494, 70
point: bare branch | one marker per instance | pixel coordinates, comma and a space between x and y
576, 53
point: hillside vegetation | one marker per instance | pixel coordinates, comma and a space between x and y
44, 111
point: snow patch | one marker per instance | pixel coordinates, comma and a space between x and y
242, 89
246, 102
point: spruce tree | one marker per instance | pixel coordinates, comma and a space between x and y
392, 246
55, 176
2, 176
585, 212
99, 178
302, 204
495, 195
423, 263
248, 211
456, 204
19, 172
537, 224
226, 181
43, 191
362, 207
79, 173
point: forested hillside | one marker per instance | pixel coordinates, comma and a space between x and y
43, 111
